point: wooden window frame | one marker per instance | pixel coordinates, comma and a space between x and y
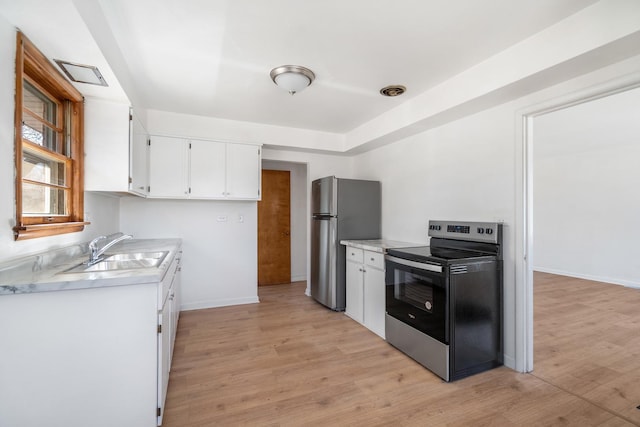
33, 66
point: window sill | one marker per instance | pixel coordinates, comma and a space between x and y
24, 232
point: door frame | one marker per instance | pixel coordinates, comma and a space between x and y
281, 164
524, 221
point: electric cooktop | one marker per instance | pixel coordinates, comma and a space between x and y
429, 253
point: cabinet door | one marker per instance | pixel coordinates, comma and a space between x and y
164, 356
243, 171
168, 167
354, 295
374, 300
139, 161
175, 309
207, 177
106, 136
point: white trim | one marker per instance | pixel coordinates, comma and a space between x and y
524, 202
298, 278
218, 303
609, 280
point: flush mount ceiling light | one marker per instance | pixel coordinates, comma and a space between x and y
292, 78
82, 73
393, 90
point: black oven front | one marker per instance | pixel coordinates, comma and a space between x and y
417, 295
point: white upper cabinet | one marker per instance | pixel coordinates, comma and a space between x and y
199, 169
106, 146
139, 161
168, 167
207, 169
243, 171
115, 148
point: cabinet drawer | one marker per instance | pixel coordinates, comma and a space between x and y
355, 254
374, 259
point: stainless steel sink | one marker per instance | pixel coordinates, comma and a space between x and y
124, 261
137, 256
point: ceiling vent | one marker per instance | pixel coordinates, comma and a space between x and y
393, 90
82, 73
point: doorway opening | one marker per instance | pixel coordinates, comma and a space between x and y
278, 264
584, 167
525, 230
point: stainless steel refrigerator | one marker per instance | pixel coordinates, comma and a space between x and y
341, 209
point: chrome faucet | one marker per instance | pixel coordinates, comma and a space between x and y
95, 255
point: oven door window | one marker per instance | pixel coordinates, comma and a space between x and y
419, 298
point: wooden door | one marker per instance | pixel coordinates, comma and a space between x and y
274, 229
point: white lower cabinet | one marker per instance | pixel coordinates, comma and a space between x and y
365, 288
167, 326
95, 357
354, 306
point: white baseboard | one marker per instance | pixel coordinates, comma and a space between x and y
509, 361
298, 278
198, 305
626, 283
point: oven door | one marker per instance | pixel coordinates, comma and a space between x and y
416, 294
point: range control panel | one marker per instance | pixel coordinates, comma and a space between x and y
490, 232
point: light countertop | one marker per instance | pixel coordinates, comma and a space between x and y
45, 272
379, 245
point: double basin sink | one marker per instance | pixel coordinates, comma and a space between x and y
123, 261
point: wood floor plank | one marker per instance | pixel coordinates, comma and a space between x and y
289, 361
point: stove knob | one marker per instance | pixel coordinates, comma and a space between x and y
428, 305
481, 230
489, 230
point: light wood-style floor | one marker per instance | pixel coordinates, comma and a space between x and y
587, 341
290, 362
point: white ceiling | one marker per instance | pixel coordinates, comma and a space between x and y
213, 57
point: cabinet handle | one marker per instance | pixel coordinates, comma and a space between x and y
141, 188
371, 259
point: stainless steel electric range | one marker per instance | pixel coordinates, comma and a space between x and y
444, 301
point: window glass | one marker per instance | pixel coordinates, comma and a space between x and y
41, 119
42, 200
43, 170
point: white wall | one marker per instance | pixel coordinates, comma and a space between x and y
220, 257
102, 211
461, 171
467, 170
586, 190
298, 184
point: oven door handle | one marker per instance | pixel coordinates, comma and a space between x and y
418, 265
